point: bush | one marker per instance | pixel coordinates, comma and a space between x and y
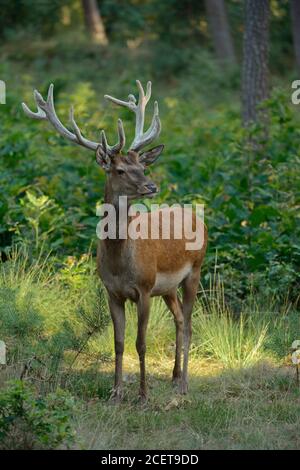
30, 421
49, 189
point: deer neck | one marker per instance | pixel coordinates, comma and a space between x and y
121, 205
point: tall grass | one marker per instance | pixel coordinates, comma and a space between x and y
56, 319
234, 340
47, 315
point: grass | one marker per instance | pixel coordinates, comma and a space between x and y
243, 392
233, 343
256, 408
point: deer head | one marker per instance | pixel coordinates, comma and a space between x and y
125, 172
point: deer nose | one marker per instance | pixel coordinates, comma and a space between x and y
151, 187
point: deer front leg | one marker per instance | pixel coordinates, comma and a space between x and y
143, 310
117, 311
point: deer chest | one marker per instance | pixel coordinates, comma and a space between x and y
117, 273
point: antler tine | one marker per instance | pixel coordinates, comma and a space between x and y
74, 125
122, 140
151, 134
46, 111
104, 141
113, 150
40, 114
141, 139
140, 109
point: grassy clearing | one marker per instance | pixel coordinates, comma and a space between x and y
243, 393
256, 408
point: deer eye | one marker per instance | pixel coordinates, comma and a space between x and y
120, 172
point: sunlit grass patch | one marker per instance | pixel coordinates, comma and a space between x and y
232, 342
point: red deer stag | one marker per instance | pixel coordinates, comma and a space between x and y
138, 269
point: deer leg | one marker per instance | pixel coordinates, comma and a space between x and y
143, 309
117, 311
174, 304
190, 287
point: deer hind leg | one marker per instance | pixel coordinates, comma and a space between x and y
173, 302
190, 287
117, 311
143, 309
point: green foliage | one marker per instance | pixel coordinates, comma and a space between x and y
35, 17
42, 217
251, 197
49, 189
29, 421
172, 21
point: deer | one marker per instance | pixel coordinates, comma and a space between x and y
138, 269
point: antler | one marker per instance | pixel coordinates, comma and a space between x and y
46, 111
141, 139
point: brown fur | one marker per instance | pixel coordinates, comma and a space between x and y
142, 268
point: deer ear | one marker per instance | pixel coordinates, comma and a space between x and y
150, 156
103, 159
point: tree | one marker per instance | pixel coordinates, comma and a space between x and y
295, 14
219, 26
93, 21
255, 58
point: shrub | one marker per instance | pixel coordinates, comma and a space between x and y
30, 421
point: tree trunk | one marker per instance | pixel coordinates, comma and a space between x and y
255, 61
295, 14
93, 21
219, 26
